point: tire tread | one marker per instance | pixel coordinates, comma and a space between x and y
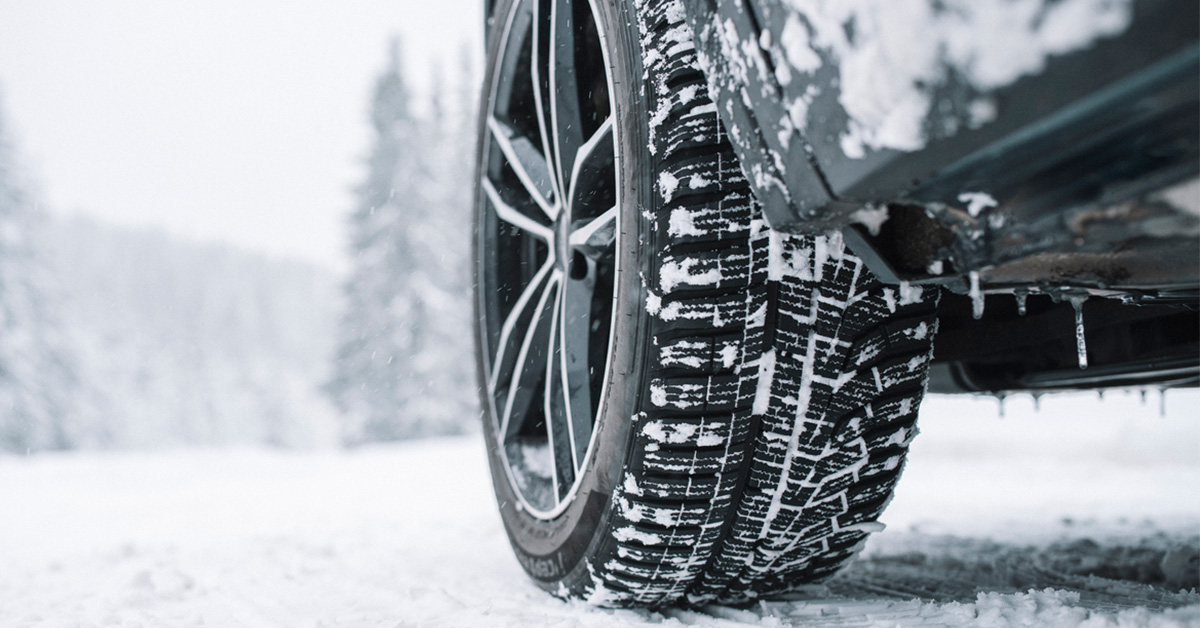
784, 378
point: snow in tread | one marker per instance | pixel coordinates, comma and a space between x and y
784, 382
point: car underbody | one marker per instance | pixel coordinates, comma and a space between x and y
1064, 218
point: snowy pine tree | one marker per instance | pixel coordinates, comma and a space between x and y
443, 362
405, 289
37, 384
445, 365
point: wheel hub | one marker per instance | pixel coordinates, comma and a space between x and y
561, 242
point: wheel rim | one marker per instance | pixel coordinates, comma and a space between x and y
547, 246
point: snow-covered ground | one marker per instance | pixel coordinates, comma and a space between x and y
1051, 518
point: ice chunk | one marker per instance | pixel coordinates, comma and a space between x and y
976, 296
1080, 340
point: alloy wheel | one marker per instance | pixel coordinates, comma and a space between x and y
547, 245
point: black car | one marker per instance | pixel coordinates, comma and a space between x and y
723, 248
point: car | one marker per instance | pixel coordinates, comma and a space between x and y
724, 248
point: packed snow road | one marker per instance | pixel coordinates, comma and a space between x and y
1082, 514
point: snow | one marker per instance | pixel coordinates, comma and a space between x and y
910, 294
667, 184
408, 535
889, 298
683, 353
872, 217
977, 202
867, 526
796, 45
891, 53
727, 355
630, 533
1185, 196
682, 223
674, 273
784, 261
766, 377
917, 333
653, 303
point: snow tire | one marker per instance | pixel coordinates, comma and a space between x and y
763, 387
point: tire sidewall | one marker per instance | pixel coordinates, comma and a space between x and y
557, 552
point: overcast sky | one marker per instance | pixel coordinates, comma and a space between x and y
236, 120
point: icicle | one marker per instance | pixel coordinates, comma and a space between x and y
1143, 393
1080, 341
1162, 402
1100, 395
976, 296
1021, 295
1000, 397
1037, 401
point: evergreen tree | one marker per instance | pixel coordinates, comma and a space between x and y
371, 375
37, 385
443, 365
405, 364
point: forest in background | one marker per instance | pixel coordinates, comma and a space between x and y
116, 337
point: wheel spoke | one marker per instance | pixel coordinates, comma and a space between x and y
532, 361
596, 236
558, 432
541, 97
570, 359
529, 164
514, 216
566, 119
593, 165
508, 92
515, 329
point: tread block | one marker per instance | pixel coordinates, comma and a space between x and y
706, 270
715, 220
714, 393
663, 514
682, 488
694, 433
697, 129
646, 535
692, 313
684, 462
699, 176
